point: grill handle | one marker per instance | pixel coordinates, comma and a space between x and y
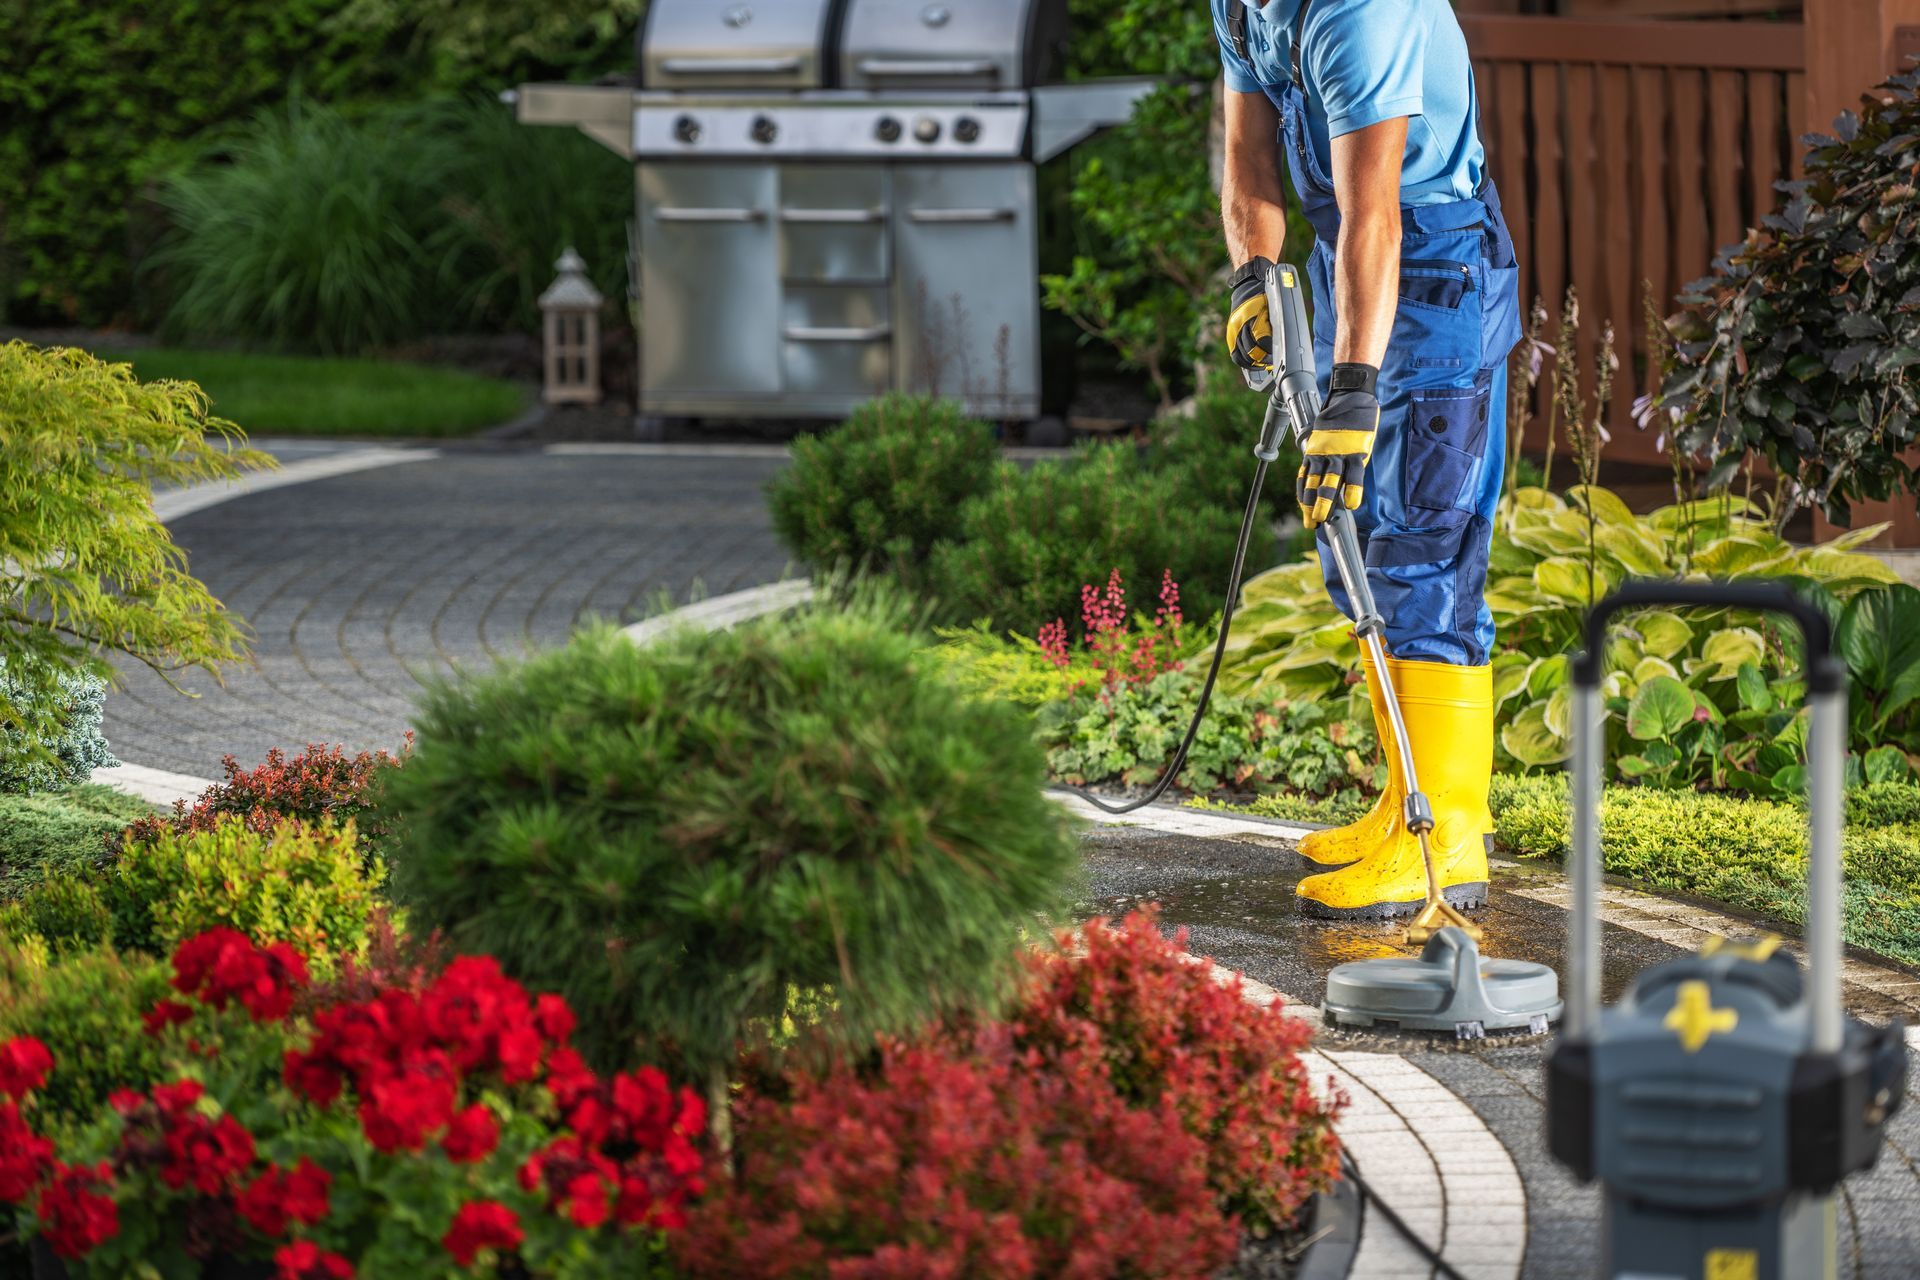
731, 66
928, 68
961, 215
875, 333
709, 215
833, 217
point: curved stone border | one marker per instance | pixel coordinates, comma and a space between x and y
155, 786
172, 504
725, 611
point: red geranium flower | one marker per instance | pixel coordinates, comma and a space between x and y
305, 1260
208, 1154
75, 1217
25, 1157
164, 1014
472, 1136
279, 1196
482, 1224
223, 965
179, 1097
399, 1111
24, 1064
553, 1018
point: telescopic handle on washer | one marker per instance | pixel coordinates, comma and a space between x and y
1826, 756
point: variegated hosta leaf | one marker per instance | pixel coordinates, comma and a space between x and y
1724, 650
1662, 633
1637, 550
1528, 739
1605, 504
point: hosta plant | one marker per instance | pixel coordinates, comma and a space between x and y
1552, 557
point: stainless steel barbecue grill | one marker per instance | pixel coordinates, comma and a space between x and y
836, 198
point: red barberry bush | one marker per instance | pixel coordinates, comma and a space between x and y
953, 1158
320, 785
1170, 1034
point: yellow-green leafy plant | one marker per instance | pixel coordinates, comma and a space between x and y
86, 566
311, 886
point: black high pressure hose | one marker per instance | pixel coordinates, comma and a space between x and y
1179, 760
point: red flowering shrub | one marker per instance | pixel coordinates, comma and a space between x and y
320, 784
450, 1104
1169, 1034
954, 1159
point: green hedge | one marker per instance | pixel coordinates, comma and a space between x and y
59, 832
97, 95
1748, 853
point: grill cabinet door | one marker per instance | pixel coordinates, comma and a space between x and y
966, 297
836, 322
709, 281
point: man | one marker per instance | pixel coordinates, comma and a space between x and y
1413, 278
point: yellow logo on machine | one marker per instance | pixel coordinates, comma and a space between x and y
1694, 1019
1732, 1264
1286, 277
1757, 950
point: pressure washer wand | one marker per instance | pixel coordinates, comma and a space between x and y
1296, 400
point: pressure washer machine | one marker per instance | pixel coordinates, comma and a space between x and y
1723, 1099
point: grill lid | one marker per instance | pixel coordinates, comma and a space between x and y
950, 44
737, 44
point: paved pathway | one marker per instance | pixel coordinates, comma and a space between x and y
359, 585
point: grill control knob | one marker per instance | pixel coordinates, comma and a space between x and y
887, 129
686, 129
966, 129
764, 130
927, 129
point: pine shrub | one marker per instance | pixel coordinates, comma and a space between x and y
878, 491
307, 885
677, 836
1020, 551
1209, 450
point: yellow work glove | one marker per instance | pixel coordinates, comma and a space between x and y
1337, 449
1249, 327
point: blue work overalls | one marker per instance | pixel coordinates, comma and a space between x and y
1426, 521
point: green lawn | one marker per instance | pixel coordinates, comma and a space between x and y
303, 395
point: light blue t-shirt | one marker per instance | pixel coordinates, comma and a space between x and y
1366, 61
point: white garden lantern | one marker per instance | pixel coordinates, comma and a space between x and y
571, 306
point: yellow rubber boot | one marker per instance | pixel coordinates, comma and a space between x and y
1448, 712
1337, 846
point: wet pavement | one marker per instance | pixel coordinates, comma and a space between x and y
1236, 901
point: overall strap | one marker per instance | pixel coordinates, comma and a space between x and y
1299, 31
1237, 30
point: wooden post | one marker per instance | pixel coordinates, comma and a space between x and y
1852, 45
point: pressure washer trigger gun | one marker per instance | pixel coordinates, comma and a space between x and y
1295, 382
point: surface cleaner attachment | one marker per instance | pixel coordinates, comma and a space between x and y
1449, 988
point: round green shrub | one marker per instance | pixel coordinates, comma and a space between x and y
68, 912
1020, 551
676, 837
86, 1008
878, 491
311, 886
1208, 449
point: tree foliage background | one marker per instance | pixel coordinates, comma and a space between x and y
99, 96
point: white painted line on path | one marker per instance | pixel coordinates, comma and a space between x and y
725, 611
155, 786
617, 449
175, 503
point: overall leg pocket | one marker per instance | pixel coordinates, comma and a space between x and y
1446, 440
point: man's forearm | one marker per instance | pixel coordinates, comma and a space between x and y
1255, 220
1366, 271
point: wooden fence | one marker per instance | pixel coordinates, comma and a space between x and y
1628, 152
